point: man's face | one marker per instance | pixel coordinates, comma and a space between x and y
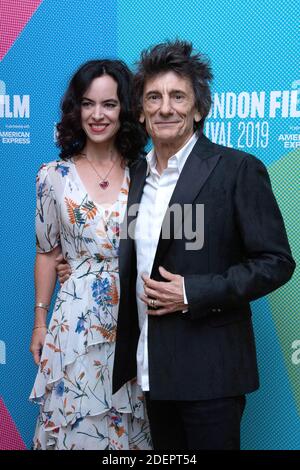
169, 109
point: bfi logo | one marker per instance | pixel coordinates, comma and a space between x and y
13, 106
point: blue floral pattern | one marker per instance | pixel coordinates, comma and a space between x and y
74, 380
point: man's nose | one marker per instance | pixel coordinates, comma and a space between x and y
166, 107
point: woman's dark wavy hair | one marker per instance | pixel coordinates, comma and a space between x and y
175, 56
131, 136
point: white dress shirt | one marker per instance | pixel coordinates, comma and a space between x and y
156, 196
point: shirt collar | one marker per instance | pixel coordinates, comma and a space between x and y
176, 161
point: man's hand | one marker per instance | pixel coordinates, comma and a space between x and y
164, 297
63, 269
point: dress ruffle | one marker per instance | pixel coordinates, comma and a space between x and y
73, 384
78, 351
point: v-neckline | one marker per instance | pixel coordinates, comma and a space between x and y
84, 189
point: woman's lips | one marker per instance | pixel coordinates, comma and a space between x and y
98, 128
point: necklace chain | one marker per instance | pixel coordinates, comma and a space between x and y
104, 183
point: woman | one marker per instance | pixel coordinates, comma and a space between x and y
81, 201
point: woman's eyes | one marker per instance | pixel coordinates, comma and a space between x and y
88, 104
110, 105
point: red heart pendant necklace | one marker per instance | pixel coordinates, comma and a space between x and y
104, 183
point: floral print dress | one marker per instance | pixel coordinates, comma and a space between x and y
74, 381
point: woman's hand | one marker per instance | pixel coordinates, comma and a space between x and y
37, 343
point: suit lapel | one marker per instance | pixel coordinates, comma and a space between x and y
137, 180
197, 169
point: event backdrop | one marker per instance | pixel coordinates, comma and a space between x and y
254, 49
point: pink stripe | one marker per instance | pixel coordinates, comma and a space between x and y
10, 438
14, 15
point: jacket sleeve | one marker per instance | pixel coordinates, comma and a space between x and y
267, 263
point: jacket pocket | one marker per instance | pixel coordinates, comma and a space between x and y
225, 316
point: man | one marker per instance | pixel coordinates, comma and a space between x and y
208, 238
196, 353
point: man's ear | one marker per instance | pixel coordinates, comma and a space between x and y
197, 116
142, 118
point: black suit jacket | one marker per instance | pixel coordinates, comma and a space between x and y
208, 352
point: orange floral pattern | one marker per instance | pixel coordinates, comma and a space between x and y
74, 380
